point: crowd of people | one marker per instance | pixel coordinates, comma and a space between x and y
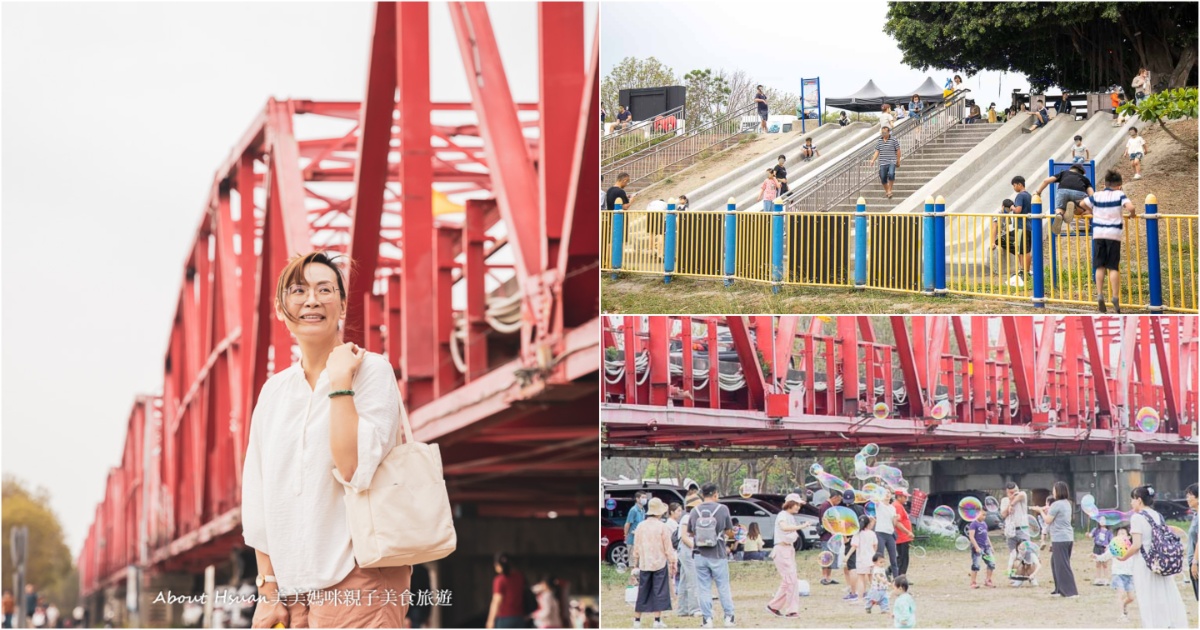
680, 552
39, 611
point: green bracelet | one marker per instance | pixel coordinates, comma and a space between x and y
341, 392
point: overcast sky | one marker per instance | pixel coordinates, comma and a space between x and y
114, 119
842, 43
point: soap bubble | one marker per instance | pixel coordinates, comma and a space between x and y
621, 567
1147, 420
825, 559
961, 543
604, 541
881, 410
832, 482
943, 515
840, 520
816, 469
970, 509
745, 493
991, 504
1087, 505
891, 475
940, 410
820, 496
871, 450
870, 509
837, 541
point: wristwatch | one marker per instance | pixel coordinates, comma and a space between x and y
263, 579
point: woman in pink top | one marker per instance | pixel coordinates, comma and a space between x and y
768, 191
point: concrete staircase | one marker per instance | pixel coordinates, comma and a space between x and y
916, 170
669, 170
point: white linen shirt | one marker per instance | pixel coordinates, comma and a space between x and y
292, 507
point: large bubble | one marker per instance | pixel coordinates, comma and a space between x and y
871, 450
870, 509
961, 543
840, 520
970, 509
832, 482
825, 559
991, 504
943, 515
1147, 420
940, 410
820, 496
621, 567
880, 410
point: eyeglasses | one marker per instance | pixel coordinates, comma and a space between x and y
325, 292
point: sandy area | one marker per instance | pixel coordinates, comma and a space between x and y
1168, 171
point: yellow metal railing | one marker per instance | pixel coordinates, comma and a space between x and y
701, 244
894, 255
986, 255
753, 253
1177, 238
817, 249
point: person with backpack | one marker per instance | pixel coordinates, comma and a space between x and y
711, 526
1158, 557
1062, 540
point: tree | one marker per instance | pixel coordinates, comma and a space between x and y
1168, 105
48, 564
707, 97
1074, 45
633, 73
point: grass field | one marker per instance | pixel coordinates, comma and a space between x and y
940, 589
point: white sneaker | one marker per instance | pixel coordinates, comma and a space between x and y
637, 623
1137, 176
1033, 581
659, 624
707, 623
729, 621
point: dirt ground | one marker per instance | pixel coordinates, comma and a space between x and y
691, 178
940, 589
1169, 170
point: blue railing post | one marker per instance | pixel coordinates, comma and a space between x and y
618, 237
1156, 305
730, 241
1038, 270
939, 255
860, 244
929, 246
669, 242
1054, 233
777, 246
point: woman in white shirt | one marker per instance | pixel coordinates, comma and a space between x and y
787, 597
1158, 598
336, 410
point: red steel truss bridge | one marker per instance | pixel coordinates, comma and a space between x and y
474, 233
1066, 384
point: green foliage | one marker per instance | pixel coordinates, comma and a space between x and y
1163, 106
1076, 46
633, 73
48, 564
611, 353
707, 96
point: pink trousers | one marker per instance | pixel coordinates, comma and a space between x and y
787, 598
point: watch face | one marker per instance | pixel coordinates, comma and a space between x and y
259, 581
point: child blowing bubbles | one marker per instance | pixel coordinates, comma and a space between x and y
904, 607
878, 593
1101, 536
981, 547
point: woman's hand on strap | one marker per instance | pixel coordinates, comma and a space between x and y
343, 365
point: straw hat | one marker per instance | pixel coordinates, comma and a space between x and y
656, 507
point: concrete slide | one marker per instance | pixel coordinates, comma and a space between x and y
979, 181
742, 183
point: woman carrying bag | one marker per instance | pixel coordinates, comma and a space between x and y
336, 411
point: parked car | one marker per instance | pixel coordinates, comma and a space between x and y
1174, 509
748, 511
668, 494
612, 541
951, 499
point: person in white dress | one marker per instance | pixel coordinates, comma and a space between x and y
1158, 598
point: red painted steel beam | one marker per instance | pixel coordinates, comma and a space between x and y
751, 368
371, 168
560, 67
1167, 368
514, 181
418, 361
979, 360
660, 376
1021, 368
848, 365
908, 366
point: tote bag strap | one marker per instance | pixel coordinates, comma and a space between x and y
404, 424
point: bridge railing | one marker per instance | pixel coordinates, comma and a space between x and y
994, 256
648, 164
639, 136
853, 171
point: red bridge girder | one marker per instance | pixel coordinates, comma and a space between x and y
1054, 373
528, 378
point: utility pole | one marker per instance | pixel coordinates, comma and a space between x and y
18, 539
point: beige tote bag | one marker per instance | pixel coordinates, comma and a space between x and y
404, 518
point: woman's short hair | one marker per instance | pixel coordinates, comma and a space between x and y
1061, 491
293, 273
1143, 493
1192, 491
789, 505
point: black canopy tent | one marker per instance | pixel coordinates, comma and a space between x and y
869, 98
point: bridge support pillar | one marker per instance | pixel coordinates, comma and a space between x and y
162, 614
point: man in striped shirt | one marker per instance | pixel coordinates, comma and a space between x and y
887, 151
1108, 208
